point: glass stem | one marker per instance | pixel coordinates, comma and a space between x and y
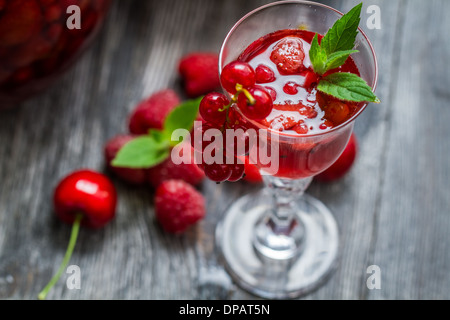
279, 234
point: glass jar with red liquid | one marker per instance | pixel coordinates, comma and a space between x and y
39, 39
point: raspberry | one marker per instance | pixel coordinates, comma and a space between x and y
264, 74
288, 55
301, 128
200, 73
291, 88
168, 170
311, 80
178, 206
112, 147
152, 112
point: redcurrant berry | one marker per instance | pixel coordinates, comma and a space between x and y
237, 172
212, 108
260, 108
218, 172
237, 73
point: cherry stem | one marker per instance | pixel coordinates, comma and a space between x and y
73, 240
248, 95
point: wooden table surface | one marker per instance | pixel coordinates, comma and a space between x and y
393, 209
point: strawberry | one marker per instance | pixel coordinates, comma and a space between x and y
178, 206
20, 21
343, 165
288, 55
252, 173
152, 112
200, 73
113, 146
168, 170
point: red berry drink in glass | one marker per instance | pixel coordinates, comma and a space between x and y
283, 67
280, 242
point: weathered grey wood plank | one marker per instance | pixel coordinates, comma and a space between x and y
412, 239
353, 200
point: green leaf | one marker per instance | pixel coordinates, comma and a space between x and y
142, 153
182, 117
157, 135
318, 56
347, 87
342, 35
337, 59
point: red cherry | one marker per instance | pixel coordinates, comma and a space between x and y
262, 106
83, 198
88, 193
343, 164
237, 73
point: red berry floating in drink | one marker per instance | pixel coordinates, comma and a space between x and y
295, 100
84, 198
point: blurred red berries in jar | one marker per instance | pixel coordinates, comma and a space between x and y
36, 44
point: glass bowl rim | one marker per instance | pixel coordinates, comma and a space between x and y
310, 3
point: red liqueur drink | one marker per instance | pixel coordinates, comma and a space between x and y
283, 67
280, 242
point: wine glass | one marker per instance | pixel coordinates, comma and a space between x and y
280, 243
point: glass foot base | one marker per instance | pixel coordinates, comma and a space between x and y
285, 278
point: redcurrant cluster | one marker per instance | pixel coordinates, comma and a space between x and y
219, 113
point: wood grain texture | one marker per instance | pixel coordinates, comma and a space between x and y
392, 209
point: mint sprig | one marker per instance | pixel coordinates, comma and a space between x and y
333, 51
154, 148
348, 87
342, 34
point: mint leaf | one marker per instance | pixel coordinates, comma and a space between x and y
157, 135
342, 35
142, 153
337, 59
182, 117
347, 87
150, 150
318, 56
